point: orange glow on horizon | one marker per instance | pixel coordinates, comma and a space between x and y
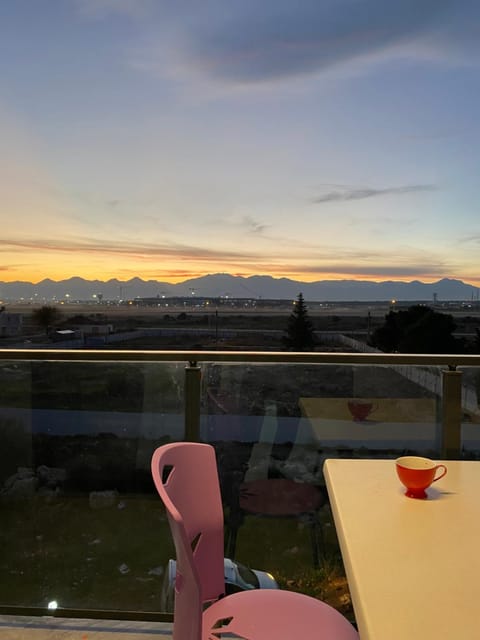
172, 275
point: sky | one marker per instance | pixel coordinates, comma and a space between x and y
308, 139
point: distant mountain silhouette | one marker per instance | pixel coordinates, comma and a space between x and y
254, 287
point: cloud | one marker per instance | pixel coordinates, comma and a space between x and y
135, 250
474, 238
253, 226
381, 270
258, 42
160, 260
238, 224
348, 193
350, 270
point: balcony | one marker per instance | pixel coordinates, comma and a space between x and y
81, 524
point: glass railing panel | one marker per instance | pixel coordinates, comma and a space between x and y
271, 423
81, 522
15, 418
353, 408
470, 412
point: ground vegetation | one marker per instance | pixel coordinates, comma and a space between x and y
46, 317
418, 329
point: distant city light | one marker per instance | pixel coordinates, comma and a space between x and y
53, 604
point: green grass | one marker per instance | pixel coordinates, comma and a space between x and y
67, 551
63, 549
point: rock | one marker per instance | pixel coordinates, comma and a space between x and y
102, 499
156, 571
23, 473
21, 488
124, 568
25, 482
51, 477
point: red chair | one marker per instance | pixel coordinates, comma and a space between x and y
185, 475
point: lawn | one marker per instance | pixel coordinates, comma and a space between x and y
114, 557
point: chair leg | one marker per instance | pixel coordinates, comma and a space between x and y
315, 531
234, 522
231, 543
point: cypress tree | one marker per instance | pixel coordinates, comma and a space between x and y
299, 332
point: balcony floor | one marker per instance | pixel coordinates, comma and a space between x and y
49, 628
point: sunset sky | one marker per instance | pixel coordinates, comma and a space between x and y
312, 139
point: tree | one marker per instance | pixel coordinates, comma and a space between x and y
417, 329
46, 317
299, 332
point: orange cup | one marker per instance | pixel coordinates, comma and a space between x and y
417, 474
361, 410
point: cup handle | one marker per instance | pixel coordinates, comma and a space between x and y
443, 468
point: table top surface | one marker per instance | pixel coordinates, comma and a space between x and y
413, 566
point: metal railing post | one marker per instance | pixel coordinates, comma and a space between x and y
193, 377
451, 414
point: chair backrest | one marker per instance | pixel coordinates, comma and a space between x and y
186, 478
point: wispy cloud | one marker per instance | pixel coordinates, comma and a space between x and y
264, 41
275, 40
239, 224
473, 238
354, 193
183, 261
253, 226
382, 270
349, 270
136, 250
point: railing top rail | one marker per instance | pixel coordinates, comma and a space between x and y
286, 357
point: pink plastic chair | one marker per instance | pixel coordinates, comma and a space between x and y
185, 475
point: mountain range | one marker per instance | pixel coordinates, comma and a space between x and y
253, 287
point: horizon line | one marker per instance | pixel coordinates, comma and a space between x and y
240, 276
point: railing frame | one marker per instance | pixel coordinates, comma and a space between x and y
193, 382
451, 377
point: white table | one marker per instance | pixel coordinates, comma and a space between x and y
413, 566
